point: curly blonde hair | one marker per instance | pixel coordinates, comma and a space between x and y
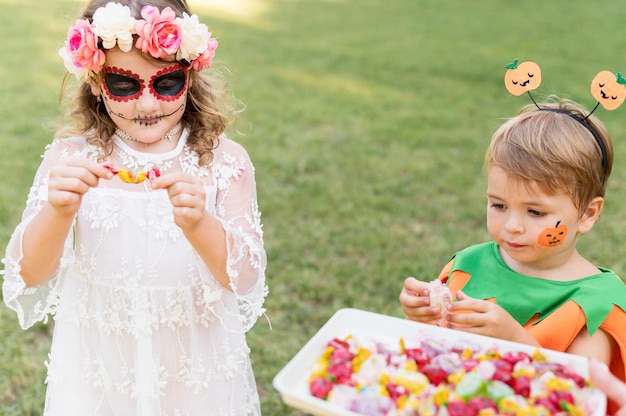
554, 150
209, 107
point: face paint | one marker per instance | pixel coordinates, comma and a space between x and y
169, 84
122, 85
552, 237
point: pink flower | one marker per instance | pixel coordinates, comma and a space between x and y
159, 33
82, 46
205, 59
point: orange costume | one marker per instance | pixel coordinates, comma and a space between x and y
553, 312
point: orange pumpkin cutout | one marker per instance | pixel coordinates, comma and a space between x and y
608, 89
522, 77
552, 237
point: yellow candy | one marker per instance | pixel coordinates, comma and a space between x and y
558, 384
414, 382
384, 379
129, 177
410, 365
456, 376
508, 405
467, 353
441, 395
362, 354
538, 355
534, 411
525, 371
319, 370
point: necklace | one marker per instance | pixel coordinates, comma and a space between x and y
168, 136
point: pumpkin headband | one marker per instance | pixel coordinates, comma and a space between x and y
607, 88
159, 34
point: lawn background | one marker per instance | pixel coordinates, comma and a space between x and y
367, 122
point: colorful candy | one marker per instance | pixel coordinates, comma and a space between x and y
431, 378
128, 176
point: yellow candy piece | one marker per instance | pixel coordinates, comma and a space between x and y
508, 405
413, 381
440, 396
558, 384
362, 354
539, 356
456, 376
129, 177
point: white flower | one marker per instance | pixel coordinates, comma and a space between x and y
78, 72
195, 37
114, 23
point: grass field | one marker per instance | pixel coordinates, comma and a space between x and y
367, 122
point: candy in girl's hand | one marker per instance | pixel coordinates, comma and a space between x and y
153, 173
128, 176
440, 296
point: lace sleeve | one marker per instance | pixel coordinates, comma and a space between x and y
32, 304
237, 210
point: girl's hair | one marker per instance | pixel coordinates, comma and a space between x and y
554, 151
207, 112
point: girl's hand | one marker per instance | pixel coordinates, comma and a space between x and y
486, 318
415, 302
187, 196
70, 180
614, 388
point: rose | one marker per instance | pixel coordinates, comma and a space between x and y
205, 60
159, 33
80, 53
195, 38
114, 23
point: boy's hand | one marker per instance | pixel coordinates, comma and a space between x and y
415, 302
486, 318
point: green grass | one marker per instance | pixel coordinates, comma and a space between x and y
367, 122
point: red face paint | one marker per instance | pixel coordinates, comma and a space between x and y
169, 84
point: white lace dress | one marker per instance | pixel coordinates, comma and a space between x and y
141, 325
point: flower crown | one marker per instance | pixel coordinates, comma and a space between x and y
159, 33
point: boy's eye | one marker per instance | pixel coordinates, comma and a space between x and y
498, 206
536, 213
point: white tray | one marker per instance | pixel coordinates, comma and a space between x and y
292, 381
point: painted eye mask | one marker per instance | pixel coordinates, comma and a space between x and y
166, 85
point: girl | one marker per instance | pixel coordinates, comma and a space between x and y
141, 234
547, 171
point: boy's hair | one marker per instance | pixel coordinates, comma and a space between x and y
208, 108
554, 151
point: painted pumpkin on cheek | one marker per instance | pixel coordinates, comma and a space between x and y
522, 77
552, 237
609, 89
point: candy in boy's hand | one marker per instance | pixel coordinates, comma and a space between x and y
440, 296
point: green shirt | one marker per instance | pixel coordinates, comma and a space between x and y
523, 296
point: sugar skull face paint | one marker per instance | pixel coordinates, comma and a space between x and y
168, 84
553, 236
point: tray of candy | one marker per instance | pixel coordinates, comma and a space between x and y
293, 381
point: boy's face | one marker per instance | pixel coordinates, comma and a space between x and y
534, 229
144, 97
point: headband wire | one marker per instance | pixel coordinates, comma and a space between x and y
583, 121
